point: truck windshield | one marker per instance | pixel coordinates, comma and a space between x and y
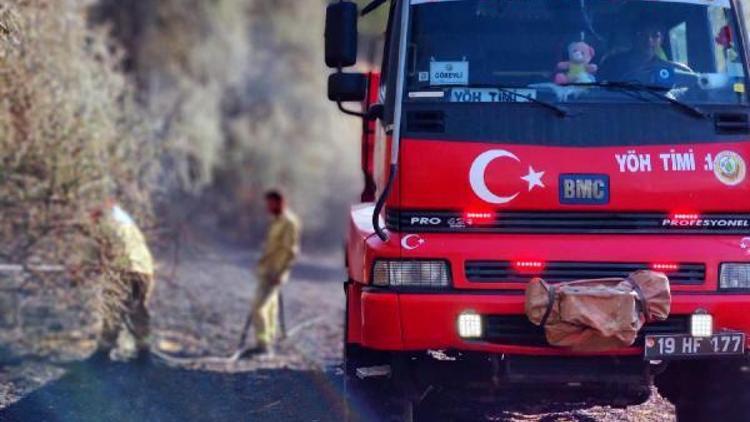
563, 51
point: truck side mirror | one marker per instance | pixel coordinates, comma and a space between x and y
341, 34
347, 87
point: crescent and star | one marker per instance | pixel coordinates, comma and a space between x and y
406, 242
477, 176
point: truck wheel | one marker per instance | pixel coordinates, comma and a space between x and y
376, 399
631, 397
706, 391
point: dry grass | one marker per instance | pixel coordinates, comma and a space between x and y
70, 134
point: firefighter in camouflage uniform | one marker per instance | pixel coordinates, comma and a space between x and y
129, 283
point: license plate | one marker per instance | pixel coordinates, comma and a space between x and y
686, 346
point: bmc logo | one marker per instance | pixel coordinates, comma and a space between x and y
584, 189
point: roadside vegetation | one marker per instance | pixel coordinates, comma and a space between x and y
70, 131
185, 111
171, 105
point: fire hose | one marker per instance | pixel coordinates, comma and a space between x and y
237, 355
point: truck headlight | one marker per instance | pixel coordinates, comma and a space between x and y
701, 324
734, 276
420, 273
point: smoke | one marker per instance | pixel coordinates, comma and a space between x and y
238, 91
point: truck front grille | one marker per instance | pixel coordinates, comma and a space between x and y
555, 272
517, 330
429, 221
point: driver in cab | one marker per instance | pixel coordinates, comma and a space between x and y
646, 54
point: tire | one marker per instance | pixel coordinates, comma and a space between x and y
707, 391
633, 397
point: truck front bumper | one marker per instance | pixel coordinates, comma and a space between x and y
400, 321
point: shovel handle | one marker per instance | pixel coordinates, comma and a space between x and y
245, 329
282, 316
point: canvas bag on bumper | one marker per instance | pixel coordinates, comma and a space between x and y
598, 315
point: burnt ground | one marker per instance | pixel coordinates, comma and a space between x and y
198, 310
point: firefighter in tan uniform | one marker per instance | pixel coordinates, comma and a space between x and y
125, 317
279, 252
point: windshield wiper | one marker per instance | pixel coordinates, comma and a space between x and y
656, 91
372, 6
560, 111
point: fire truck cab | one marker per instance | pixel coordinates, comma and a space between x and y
511, 139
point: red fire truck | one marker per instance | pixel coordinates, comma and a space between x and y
510, 139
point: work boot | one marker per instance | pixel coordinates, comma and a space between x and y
125, 349
100, 356
259, 350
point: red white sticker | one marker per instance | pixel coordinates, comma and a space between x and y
411, 242
477, 177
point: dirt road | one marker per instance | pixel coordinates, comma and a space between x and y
198, 312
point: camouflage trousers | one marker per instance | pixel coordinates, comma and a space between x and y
125, 317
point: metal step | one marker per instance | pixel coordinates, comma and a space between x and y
373, 371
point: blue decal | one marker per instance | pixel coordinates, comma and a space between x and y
663, 76
584, 189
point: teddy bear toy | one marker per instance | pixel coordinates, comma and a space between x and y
578, 69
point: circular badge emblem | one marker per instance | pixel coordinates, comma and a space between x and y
730, 168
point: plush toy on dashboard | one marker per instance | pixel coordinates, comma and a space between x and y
578, 68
